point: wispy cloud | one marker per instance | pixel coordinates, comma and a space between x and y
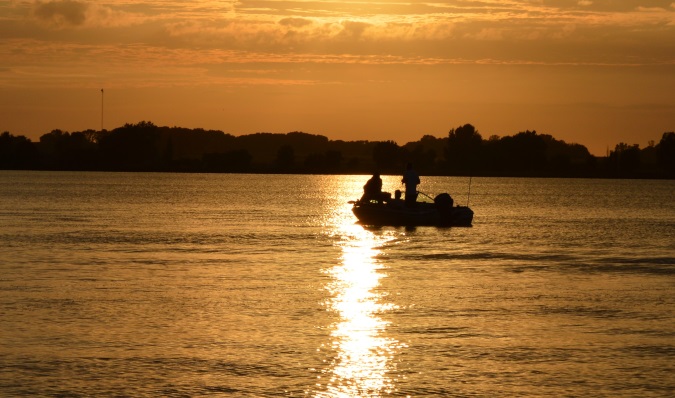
61, 13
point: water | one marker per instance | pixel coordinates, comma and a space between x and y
181, 285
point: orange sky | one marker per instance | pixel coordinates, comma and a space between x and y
594, 72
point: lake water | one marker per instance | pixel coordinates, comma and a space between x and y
186, 285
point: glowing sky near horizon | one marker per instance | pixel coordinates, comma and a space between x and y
594, 72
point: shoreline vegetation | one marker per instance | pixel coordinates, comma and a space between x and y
464, 152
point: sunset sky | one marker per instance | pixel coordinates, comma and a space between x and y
594, 72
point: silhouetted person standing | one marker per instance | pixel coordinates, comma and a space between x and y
411, 179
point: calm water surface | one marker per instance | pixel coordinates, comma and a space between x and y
183, 285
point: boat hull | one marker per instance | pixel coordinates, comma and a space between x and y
422, 214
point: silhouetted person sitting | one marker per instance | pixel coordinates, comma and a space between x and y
373, 189
411, 179
397, 201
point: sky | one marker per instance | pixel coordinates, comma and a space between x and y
593, 72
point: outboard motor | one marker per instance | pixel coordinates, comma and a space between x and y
443, 200
444, 204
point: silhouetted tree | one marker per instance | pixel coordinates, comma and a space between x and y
525, 152
310, 143
53, 146
566, 159
649, 162
387, 157
65, 151
17, 153
229, 162
194, 143
132, 147
285, 158
624, 160
359, 155
666, 154
463, 150
423, 153
328, 162
92, 136
333, 161
264, 147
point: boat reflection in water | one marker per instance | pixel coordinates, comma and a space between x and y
364, 355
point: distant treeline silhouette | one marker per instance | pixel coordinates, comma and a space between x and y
146, 147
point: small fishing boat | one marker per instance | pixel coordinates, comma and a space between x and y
394, 212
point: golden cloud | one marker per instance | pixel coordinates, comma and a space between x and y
60, 13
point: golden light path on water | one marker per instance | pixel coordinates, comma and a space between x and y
364, 355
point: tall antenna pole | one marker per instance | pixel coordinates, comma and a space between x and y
101, 109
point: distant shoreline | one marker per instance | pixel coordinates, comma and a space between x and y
145, 147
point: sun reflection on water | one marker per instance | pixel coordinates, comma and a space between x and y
364, 354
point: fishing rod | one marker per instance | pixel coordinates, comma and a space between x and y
468, 196
428, 196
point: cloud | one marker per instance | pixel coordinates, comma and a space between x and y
528, 31
61, 13
73, 14
354, 29
607, 5
295, 22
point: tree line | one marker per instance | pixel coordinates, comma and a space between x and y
146, 147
